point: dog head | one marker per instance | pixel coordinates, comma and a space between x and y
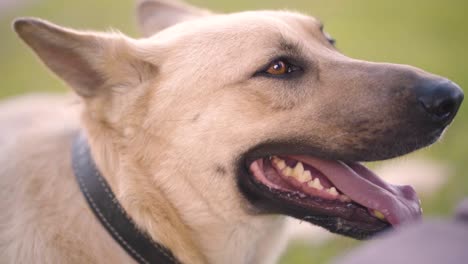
236, 116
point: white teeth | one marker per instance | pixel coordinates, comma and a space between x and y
281, 164
300, 174
307, 175
332, 191
287, 171
299, 169
304, 176
315, 184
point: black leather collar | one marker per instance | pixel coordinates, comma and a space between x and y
110, 213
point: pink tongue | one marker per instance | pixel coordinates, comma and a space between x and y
399, 204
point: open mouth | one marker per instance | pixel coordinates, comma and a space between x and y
344, 197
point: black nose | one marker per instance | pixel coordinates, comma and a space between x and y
440, 99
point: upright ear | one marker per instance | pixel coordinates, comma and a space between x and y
89, 62
156, 15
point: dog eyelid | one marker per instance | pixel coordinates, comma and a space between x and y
280, 67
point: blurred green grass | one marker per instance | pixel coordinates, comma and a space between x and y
429, 34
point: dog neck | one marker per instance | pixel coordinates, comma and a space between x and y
151, 212
159, 214
110, 213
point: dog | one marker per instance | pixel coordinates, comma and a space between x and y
209, 131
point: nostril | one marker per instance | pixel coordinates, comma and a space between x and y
441, 100
440, 108
445, 108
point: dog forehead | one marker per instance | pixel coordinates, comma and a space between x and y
249, 24
252, 36
285, 17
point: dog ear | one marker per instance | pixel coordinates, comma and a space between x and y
87, 61
156, 15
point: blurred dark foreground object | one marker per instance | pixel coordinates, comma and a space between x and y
429, 242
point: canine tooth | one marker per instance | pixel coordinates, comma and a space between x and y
332, 191
299, 169
307, 175
304, 177
316, 184
379, 214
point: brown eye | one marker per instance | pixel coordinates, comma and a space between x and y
279, 67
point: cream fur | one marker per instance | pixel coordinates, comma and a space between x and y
166, 191
162, 114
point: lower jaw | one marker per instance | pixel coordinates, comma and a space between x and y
345, 218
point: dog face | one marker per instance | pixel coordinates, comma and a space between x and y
234, 117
